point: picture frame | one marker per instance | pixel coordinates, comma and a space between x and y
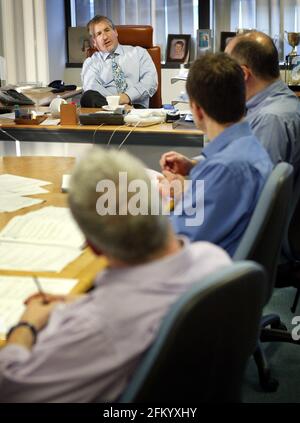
78, 44
178, 48
204, 41
225, 37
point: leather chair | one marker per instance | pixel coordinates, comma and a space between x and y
141, 35
262, 243
203, 345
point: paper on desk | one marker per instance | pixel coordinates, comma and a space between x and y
50, 122
15, 183
13, 202
35, 257
14, 290
48, 226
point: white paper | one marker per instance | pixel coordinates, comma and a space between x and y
50, 122
35, 257
14, 202
47, 226
15, 183
43, 240
14, 290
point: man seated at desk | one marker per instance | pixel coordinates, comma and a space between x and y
116, 69
233, 167
87, 350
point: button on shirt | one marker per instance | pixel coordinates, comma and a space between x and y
138, 68
90, 348
234, 172
274, 117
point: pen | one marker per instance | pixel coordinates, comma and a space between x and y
37, 282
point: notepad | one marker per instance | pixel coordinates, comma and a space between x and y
14, 290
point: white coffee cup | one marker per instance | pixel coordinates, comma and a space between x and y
113, 101
55, 106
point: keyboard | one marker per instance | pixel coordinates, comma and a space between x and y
101, 118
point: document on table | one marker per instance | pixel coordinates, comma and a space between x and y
14, 202
13, 190
14, 290
44, 240
19, 184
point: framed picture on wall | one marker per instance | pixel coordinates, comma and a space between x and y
225, 38
79, 43
204, 41
178, 48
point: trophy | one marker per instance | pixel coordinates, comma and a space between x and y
293, 39
293, 60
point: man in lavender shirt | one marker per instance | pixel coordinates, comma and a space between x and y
87, 348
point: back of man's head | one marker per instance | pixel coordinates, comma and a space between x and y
216, 83
258, 52
110, 198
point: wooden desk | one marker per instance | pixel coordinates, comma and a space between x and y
157, 135
50, 169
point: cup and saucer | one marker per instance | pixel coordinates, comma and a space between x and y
113, 108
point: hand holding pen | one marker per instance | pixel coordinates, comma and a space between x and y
41, 292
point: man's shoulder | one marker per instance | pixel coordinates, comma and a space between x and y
132, 49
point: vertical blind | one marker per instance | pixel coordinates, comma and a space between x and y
166, 16
273, 17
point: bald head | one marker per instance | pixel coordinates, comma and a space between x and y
258, 52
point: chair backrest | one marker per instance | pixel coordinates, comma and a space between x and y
141, 35
196, 355
291, 242
263, 237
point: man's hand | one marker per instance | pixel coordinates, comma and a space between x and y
171, 186
176, 163
124, 99
37, 313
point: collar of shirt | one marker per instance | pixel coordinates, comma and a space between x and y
105, 54
275, 88
238, 130
130, 273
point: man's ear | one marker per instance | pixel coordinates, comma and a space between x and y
247, 72
96, 250
196, 110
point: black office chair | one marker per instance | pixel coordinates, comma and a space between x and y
289, 268
262, 243
204, 342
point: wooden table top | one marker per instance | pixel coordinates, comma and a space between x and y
50, 169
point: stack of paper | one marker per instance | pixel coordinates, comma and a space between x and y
13, 190
14, 290
44, 240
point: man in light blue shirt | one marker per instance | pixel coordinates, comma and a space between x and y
273, 110
234, 165
116, 69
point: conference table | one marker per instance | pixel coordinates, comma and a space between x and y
51, 169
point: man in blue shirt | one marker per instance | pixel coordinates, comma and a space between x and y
273, 110
116, 69
234, 166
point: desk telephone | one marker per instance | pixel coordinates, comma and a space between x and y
11, 97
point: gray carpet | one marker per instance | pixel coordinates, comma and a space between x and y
284, 359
